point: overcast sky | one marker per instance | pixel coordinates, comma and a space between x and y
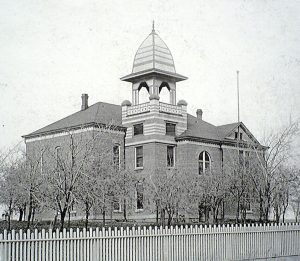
53, 51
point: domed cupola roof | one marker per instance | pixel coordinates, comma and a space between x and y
153, 53
153, 57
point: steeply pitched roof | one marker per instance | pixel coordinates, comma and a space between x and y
98, 113
200, 129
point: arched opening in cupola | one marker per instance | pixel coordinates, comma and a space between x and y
143, 93
164, 92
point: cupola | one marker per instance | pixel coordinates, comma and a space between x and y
153, 69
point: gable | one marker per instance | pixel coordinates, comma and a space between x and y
231, 131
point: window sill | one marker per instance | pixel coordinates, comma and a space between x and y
139, 168
117, 211
139, 210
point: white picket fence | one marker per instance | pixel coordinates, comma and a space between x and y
234, 242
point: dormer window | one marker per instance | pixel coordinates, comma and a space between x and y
170, 129
138, 129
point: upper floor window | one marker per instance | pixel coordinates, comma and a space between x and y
238, 135
138, 129
170, 156
116, 155
204, 162
139, 157
42, 161
58, 156
170, 128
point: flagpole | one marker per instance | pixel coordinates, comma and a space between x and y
238, 94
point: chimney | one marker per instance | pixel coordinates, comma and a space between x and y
199, 113
84, 98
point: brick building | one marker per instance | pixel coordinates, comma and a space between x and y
152, 134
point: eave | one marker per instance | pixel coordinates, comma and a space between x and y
135, 76
76, 127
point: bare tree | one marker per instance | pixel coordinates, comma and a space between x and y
167, 189
10, 193
269, 162
295, 194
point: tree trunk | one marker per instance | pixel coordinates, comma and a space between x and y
62, 219
157, 213
24, 213
237, 214
170, 217
206, 212
200, 213
21, 214
103, 217
29, 211
223, 211
162, 216
33, 214
87, 213
69, 218
9, 215
124, 210
55, 220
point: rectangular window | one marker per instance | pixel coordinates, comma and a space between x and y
139, 157
139, 197
116, 156
241, 136
138, 129
170, 156
241, 157
170, 129
116, 205
236, 135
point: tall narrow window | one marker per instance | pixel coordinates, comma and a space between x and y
241, 158
58, 156
170, 156
139, 197
116, 156
42, 161
236, 134
170, 129
138, 129
139, 157
204, 162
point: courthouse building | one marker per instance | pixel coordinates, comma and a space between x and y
153, 134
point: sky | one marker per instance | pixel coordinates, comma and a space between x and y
53, 51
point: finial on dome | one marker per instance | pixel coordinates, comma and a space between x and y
153, 29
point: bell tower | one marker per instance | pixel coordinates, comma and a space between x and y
153, 69
152, 125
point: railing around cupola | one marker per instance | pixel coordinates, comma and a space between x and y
149, 107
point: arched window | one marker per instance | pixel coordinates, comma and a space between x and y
58, 156
204, 162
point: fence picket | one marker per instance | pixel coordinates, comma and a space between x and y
204, 242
